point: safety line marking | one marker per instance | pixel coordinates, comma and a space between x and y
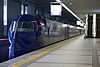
41, 54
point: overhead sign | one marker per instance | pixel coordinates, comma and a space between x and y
56, 10
78, 22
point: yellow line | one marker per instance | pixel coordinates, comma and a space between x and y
41, 54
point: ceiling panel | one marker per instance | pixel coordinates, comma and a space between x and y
84, 6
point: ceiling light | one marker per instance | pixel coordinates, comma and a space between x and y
58, 0
70, 3
69, 10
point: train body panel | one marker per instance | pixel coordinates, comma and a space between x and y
33, 32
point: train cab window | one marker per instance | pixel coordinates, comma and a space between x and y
26, 26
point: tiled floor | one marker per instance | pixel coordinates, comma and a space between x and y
78, 53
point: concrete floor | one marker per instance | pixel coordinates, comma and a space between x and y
78, 53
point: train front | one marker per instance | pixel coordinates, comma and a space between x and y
23, 35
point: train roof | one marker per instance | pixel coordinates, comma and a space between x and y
26, 18
54, 22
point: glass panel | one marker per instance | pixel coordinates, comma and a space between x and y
26, 26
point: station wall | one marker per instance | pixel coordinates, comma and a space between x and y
14, 9
98, 25
31, 9
1, 19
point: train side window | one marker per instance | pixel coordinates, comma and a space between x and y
54, 30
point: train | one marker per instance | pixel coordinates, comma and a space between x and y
31, 32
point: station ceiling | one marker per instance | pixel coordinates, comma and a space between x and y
35, 1
83, 7
79, 7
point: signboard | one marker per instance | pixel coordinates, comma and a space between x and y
78, 22
56, 10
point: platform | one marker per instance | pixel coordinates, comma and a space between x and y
75, 52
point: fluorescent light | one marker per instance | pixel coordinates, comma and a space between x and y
69, 10
22, 9
58, 0
5, 13
80, 28
26, 9
64, 25
86, 26
70, 26
94, 25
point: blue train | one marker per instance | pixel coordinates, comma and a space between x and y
28, 33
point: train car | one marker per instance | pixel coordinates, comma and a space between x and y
23, 34
28, 33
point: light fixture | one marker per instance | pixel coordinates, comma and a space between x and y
69, 10
71, 26
58, 0
5, 12
70, 3
64, 25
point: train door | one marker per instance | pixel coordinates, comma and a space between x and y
66, 33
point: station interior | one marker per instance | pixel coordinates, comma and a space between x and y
49, 33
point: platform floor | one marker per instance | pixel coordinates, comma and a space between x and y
77, 52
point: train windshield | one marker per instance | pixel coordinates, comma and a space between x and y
26, 26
